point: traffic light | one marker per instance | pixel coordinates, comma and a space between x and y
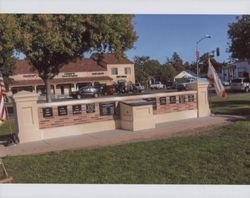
217, 51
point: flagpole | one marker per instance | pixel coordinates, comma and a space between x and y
197, 54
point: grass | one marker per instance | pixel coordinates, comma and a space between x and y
238, 104
222, 156
7, 127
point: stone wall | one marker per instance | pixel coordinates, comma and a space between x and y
38, 121
72, 118
163, 104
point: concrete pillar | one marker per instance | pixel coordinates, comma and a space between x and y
203, 109
136, 115
25, 104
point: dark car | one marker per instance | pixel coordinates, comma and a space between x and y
109, 90
86, 91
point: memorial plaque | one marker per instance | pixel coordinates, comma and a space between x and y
163, 100
190, 98
107, 108
47, 112
182, 99
90, 108
172, 99
76, 109
62, 110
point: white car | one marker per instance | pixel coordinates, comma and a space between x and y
157, 85
241, 84
138, 87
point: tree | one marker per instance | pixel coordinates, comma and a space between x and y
146, 69
176, 62
203, 65
167, 73
9, 34
50, 41
239, 33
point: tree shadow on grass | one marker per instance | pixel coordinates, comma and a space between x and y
236, 107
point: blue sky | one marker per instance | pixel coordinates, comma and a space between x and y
161, 35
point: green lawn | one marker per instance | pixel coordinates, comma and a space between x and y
7, 127
237, 104
220, 156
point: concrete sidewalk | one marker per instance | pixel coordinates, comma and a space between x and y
115, 137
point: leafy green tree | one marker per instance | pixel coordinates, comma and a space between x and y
176, 62
146, 69
49, 41
167, 73
9, 34
239, 33
203, 66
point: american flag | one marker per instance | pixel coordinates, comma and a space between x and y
3, 111
215, 80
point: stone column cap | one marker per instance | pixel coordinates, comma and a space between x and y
25, 94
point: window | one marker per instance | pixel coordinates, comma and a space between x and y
182, 99
172, 99
114, 71
127, 70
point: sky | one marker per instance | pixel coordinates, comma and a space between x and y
161, 35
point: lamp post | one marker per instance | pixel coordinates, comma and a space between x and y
197, 53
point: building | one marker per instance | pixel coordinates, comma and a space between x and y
185, 74
240, 69
104, 69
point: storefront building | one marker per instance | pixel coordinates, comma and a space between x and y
83, 71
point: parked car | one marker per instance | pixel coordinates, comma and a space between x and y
139, 88
170, 85
240, 84
109, 90
157, 85
226, 83
121, 88
86, 91
181, 86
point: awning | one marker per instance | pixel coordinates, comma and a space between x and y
61, 80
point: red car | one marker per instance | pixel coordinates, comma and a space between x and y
109, 90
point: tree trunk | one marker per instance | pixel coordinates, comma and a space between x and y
48, 94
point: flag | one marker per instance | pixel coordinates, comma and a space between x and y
3, 111
214, 79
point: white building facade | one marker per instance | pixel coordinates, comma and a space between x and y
240, 69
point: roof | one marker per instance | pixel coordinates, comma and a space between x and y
184, 74
110, 58
60, 80
77, 65
82, 65
23, 67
